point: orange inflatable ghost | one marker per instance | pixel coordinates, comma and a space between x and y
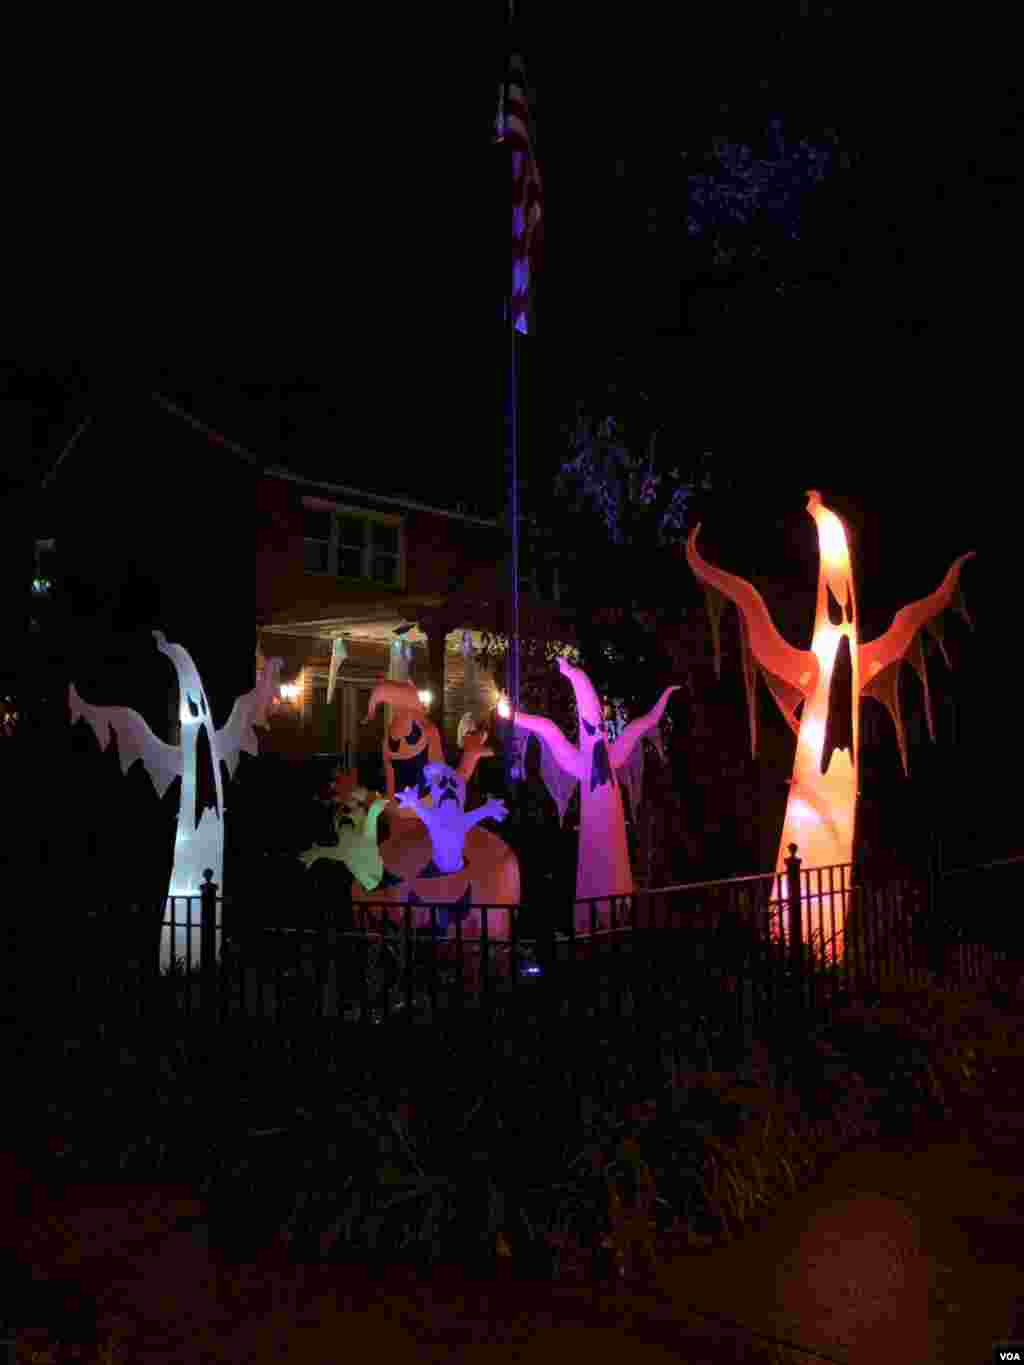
829, 680
412, 739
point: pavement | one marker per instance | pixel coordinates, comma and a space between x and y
905, 1251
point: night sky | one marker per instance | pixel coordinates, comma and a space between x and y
885, 378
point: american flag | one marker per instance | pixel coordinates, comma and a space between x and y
514, 130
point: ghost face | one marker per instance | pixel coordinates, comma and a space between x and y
408, 750
447, 789
353, 807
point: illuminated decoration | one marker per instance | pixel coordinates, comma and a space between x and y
602, 867
438, 855
411, 740
446, 819
469, 686
199, 842
561, 785
356, 827
338, 656
8, 716
290, 691
828, 680
425, 696
400, 657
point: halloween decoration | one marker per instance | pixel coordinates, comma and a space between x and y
561, 785
447, 820
338, 656
602, 867
828, 681
438, 855
411, 741
199, 843
355, 823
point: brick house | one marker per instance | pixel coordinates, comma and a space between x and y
340, 562
244, 559
154, 519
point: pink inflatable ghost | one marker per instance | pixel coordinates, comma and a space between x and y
602, 867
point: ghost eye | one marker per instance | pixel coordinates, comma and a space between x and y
193, 708
590, 729
202, 702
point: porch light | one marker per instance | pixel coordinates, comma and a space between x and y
426, 696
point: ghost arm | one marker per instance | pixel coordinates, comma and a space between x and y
795, 667
135, 740
880, 659
490, 810
566, 755
474, 748
620, 750
790, 673
238, 734
373, 815
409, 800
434, 748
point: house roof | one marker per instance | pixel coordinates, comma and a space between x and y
278, 471
341, 491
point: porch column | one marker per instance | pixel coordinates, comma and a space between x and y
436, 633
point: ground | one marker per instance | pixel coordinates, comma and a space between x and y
906, 1251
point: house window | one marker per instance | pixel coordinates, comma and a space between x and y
351, 544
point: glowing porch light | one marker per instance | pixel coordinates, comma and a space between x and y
425, 695
504, 709
290, 691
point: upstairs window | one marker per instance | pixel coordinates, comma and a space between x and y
350, 544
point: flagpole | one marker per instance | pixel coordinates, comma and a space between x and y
513, 766
513, 770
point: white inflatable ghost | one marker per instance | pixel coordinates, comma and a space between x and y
198, 845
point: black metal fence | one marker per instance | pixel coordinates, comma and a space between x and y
737, 955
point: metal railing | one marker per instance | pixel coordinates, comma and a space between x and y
737, 953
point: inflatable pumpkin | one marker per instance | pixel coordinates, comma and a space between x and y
437, 854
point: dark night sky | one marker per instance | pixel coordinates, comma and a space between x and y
390, 369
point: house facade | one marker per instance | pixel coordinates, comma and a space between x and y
157, 521
409, 590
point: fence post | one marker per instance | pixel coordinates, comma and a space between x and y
794, 908
208, 941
